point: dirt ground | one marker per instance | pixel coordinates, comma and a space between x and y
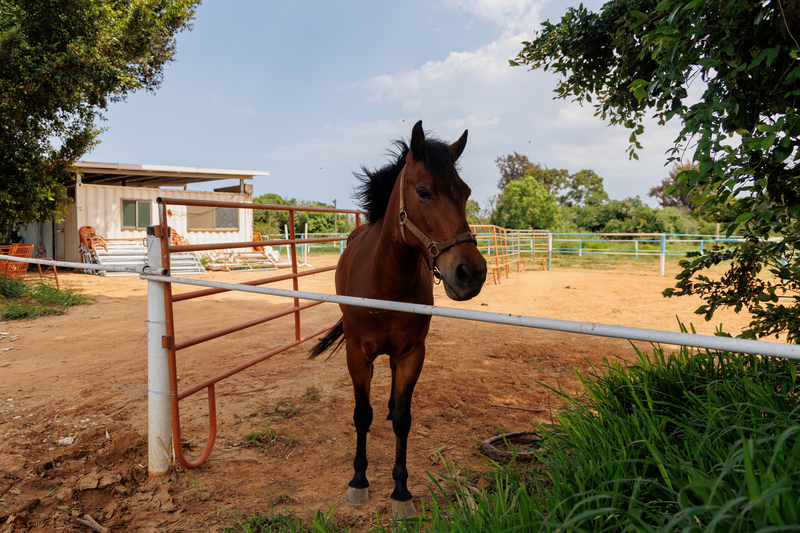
73, 399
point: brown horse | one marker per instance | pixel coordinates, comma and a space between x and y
417, 231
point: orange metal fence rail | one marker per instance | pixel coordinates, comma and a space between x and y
172, 345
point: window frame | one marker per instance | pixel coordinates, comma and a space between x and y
201, 211
138, 202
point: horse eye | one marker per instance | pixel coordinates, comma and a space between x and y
424, 193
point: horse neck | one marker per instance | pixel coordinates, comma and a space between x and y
395, 260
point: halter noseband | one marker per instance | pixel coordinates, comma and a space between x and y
434, 248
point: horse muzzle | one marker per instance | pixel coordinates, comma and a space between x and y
463, 275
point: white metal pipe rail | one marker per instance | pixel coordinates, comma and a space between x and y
774, 349
728, 344
143, 269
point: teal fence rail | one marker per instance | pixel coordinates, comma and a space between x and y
539, 245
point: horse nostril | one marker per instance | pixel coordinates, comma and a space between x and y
462, 274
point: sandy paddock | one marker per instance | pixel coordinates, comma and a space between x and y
73, 399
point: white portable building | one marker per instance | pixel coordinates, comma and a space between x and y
119, 202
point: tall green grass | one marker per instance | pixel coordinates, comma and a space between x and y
20, 300
680, 442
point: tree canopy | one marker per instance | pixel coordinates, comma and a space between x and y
527, 204
61, 63
639, 57
582, 188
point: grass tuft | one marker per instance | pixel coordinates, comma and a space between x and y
20, 300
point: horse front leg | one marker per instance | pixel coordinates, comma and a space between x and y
361, 375
405, 377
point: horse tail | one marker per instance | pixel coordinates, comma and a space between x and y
334, 337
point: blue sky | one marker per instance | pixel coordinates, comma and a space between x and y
311, 90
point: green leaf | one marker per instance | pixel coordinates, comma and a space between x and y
744, 217
757, 61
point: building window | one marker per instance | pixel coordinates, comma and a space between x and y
135, 214
213, 218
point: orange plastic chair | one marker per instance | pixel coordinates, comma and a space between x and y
17, 269
176, 238
90, 239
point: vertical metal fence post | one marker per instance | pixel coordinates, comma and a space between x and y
663, 252
295, 286
159, 417
549, 251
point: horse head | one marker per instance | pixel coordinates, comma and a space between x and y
432, 216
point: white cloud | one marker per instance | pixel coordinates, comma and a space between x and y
508, 15
448, 81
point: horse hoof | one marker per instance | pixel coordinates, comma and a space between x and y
389, 426
357, 497
404, 509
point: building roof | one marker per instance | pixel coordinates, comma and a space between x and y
156, 175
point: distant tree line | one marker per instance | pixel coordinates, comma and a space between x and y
533, 196
269, 222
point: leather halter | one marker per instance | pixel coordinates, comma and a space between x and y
434, 248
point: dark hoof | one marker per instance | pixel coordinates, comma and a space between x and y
357, 497
404, 509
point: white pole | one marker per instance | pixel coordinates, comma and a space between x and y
306, 247
159, 415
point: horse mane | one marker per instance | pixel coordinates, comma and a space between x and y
375, 190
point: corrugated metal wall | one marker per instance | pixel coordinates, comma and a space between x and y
100, 206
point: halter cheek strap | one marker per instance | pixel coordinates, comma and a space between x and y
434, 248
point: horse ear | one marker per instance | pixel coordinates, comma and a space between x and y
459, 145
417, 140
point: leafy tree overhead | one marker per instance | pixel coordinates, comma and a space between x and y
638, 57
527, 204
61, 63
677, 197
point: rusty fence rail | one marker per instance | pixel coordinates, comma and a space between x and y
164, 424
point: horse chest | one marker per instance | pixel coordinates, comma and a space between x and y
385, 332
